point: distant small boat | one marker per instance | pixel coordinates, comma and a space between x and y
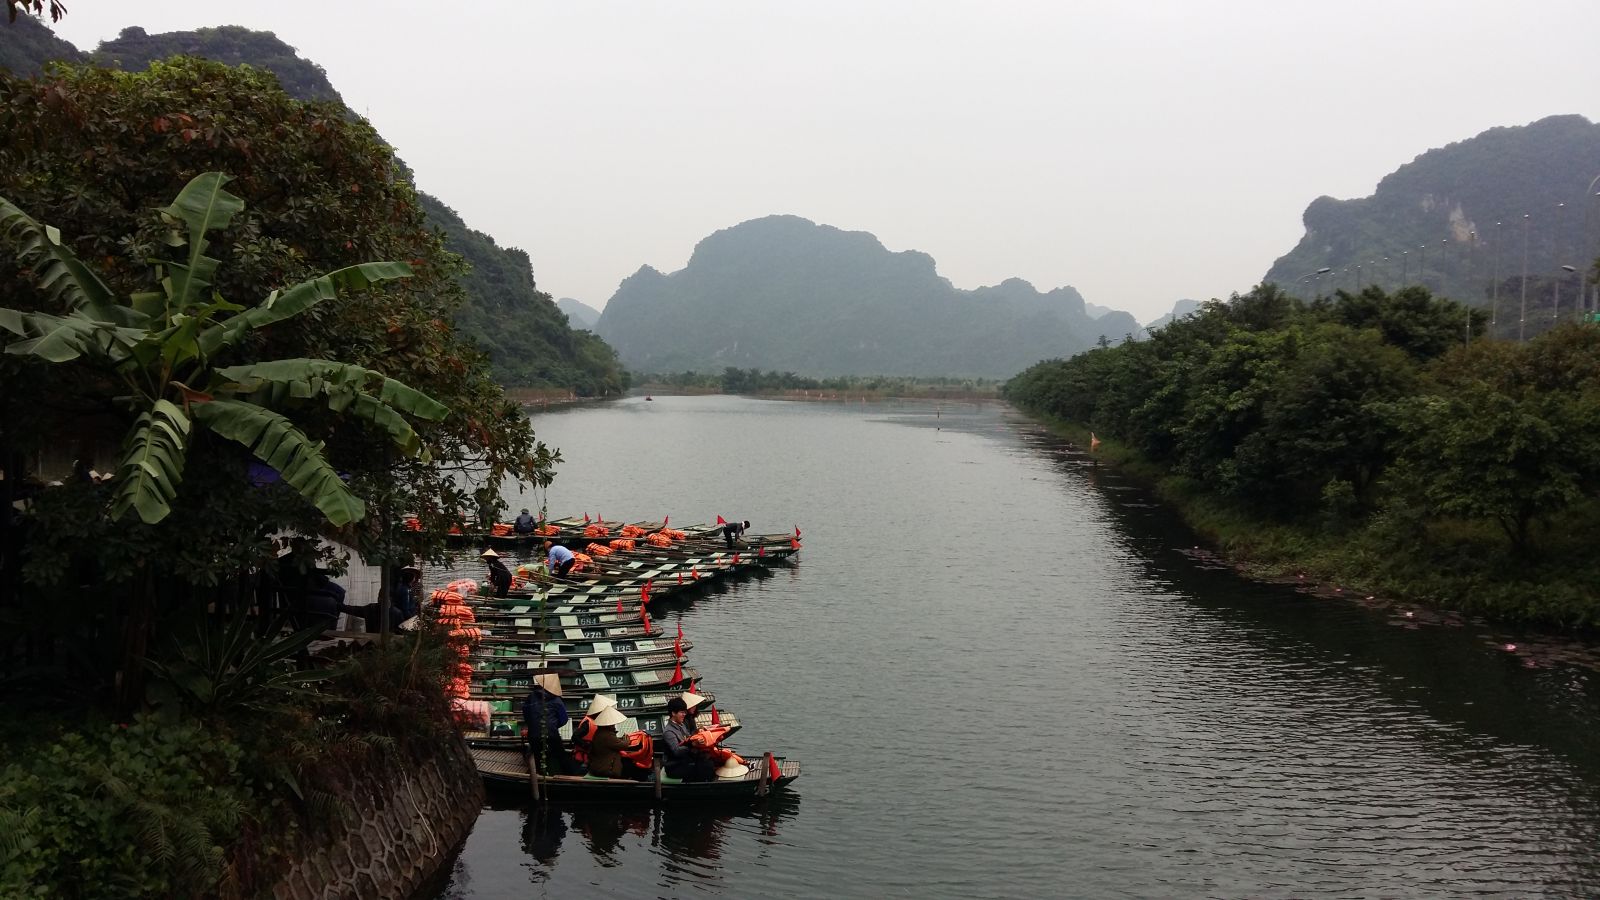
648, 397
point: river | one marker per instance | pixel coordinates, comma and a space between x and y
1004, 677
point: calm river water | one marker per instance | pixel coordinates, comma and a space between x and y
1003, 678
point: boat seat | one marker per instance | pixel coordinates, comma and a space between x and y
668, 779
593, 777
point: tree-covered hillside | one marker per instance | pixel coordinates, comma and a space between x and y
134, 50
528, 341
26, 45
1418, 226
782, 292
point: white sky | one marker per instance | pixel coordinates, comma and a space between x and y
1140, 151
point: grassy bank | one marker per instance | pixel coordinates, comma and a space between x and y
1448, 564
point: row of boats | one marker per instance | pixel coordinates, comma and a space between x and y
594, 630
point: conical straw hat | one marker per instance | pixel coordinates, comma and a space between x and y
731, 769
610, 716
550, 682
599, 702
692, 700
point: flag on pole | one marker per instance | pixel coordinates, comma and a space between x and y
795, 543
716, 717
736, 559
665, 520
721, 521
677, 672
677, 643
797, 532
644, 592
772, 767
619, 603
585, 518
761, 550
646, 617
1094, 442
680, 579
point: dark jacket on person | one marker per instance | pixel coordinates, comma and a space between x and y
605, 753
499, 576
524, 524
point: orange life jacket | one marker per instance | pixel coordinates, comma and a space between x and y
583, 732
641, 750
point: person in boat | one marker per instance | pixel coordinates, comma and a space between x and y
733, 532
524, 523
558, 559
545, 712
499, 575
606, 746
683, 760
403, 597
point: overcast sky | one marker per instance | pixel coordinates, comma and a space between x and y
1141, 152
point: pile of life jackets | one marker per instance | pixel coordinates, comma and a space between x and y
547, 530
657, 539
412, 524
501, 529
596, 531
707, 739
455, 615
632, 531
581, 561
598, 550
621, 544
674, 534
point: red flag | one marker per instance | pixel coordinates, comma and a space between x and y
677, 672
721, 521
599, 518
772, 767
736, 559
680, 578
716, 717
677, 645
585, 518
761, 550
797, 532
694, 573
795, 543
665, 520
680, 631
646, 617
619, 603
644, 592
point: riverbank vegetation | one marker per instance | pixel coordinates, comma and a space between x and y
228, 352
1373, 439
733, 380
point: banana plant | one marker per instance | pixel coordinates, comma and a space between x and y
162, 346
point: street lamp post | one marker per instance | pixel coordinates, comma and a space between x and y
1494, 302
1555, 313
1522, 320
1422, 266
1405, 268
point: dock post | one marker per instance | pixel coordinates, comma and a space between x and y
766, 770
658, 781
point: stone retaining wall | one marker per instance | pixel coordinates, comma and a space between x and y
397, 833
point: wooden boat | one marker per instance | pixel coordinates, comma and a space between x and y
497, 658
583, 684
506, 733
631, 702
508, 770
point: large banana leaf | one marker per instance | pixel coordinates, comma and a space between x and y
201, 206
277, 442
58, 271
65, 338
347, 387
152, 463
282, 305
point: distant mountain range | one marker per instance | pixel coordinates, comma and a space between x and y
1179, 310
785, 293
580, 314
528, 340
1453, 216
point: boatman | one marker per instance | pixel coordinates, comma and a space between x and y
683, 759
524, 524
499, 575
558, 559
734, 531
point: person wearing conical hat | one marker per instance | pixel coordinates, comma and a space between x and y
545, 713
605, 748
693, 701
499, 575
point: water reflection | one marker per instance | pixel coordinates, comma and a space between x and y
689, 842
